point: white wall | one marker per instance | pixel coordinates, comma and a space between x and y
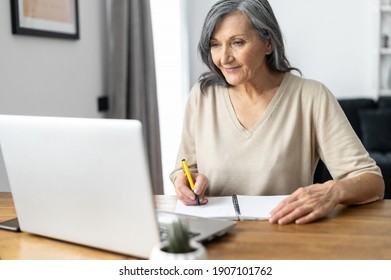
194, 14
332, 41
53, 77
45, 76
329, 40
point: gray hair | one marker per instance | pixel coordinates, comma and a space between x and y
265, 23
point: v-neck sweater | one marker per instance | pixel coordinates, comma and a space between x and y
302, 124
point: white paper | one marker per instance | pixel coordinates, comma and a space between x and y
251, 207
258, 207
217, 207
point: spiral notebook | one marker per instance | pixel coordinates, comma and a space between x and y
235, 207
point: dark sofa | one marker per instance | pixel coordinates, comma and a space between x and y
371, 120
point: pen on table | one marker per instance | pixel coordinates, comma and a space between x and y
190, 179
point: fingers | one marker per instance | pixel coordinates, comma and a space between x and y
295, 214
185, 194
200, 184
305, 205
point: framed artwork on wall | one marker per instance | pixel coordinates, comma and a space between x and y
49, 18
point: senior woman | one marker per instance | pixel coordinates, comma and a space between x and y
253, 127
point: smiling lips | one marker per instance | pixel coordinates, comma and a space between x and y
231, 69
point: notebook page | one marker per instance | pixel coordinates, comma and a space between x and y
258, 207
217, 207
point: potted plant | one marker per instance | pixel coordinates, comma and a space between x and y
178, 245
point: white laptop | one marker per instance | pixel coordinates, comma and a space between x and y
87, 181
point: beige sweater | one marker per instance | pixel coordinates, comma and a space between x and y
302, 123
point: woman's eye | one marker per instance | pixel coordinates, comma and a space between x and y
237, 43
213, 45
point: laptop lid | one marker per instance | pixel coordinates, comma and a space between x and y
85, 181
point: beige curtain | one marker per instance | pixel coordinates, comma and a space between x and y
131, 80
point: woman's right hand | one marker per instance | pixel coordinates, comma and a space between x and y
184, 192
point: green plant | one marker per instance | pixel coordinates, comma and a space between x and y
178, 238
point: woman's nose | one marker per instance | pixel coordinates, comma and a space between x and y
226, 56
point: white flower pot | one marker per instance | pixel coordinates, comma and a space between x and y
199, 252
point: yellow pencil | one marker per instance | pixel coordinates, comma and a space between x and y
189, 178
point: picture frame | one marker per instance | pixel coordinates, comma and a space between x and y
48, 18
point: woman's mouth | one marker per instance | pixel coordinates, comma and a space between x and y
231, 69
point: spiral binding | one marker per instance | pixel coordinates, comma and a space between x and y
236, 205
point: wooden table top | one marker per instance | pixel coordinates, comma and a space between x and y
355, 232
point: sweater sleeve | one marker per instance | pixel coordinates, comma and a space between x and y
337, 143
187, 148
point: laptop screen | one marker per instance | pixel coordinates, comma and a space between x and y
81, 180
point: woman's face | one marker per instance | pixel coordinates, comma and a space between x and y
238, 51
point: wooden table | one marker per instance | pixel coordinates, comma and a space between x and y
356, 232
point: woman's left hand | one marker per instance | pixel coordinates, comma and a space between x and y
306, 204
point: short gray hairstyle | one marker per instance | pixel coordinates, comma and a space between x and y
265, 23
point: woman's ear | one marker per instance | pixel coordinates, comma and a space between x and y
269, 47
